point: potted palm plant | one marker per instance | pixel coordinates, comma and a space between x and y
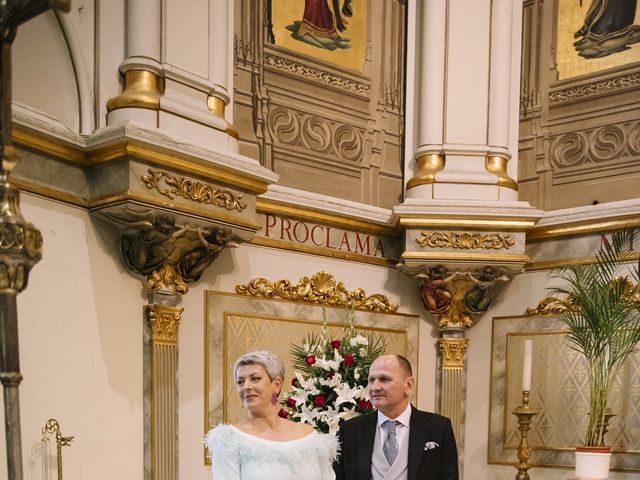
603, 319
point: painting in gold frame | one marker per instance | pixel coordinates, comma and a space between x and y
312, 28
559, 390
577, 51
236, 324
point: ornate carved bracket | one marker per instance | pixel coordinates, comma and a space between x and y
458, 296
168, 255
321, 288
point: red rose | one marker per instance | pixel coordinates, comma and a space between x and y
319, 400
310, 360
335, 343
364, 404
283, 413
347, 359
294, 382
330, 375
291, 402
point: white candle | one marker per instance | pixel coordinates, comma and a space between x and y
526, 366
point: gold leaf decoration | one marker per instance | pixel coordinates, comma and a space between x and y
164, 322
466, 240
549, 306
321, 288
171, 186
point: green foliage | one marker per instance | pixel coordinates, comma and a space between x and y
603, 318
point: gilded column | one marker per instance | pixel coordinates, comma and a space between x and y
452, 373
20, 242
141, 67
161, 385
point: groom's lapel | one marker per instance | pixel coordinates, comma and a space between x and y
366, 437
417, 438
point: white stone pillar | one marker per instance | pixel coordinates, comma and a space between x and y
464, 120
141, 67
219, 101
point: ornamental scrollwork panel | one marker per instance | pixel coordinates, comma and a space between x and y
594, 89
465, 240
171, 186
321, 288
316, 134
313, 73
596, 145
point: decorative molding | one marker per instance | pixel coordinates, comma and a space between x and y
163, 323
315, 133
453, 351
312, 73
595, 88
596, 145
548, 306
192, 190
466, 240
321, 288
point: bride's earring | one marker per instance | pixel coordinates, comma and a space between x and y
274, 398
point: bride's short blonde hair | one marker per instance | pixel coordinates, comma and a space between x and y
270, 362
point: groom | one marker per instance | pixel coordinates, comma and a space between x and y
398, 442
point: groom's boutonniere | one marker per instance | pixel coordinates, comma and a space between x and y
430, 445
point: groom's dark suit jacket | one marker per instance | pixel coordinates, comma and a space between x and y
440, 463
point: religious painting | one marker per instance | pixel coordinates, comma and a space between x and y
236, 324
559, 392
595, 35
328, 30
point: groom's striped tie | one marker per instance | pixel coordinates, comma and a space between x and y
390, 446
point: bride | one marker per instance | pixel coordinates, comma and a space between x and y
266, 445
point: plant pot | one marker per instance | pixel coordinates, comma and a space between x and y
592, 463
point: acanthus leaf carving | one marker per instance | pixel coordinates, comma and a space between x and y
321, 288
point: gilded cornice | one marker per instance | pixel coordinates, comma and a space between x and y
148, 200
322, 289
584, 227
466, 240
465, 256
488, 222
155, 155
301, 212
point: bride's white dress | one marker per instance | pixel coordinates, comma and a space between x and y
236, 455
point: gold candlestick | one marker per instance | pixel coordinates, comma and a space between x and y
524, 414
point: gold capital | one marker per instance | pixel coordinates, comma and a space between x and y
163, 323
497, 164
453, 350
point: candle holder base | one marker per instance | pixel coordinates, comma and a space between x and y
524, 413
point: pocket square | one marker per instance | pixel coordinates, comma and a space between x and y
430, 445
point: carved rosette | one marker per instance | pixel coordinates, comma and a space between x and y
466, 240
171, 186
163, 323
321, 288
453, 350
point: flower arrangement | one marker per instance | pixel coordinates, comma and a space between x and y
331, 378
